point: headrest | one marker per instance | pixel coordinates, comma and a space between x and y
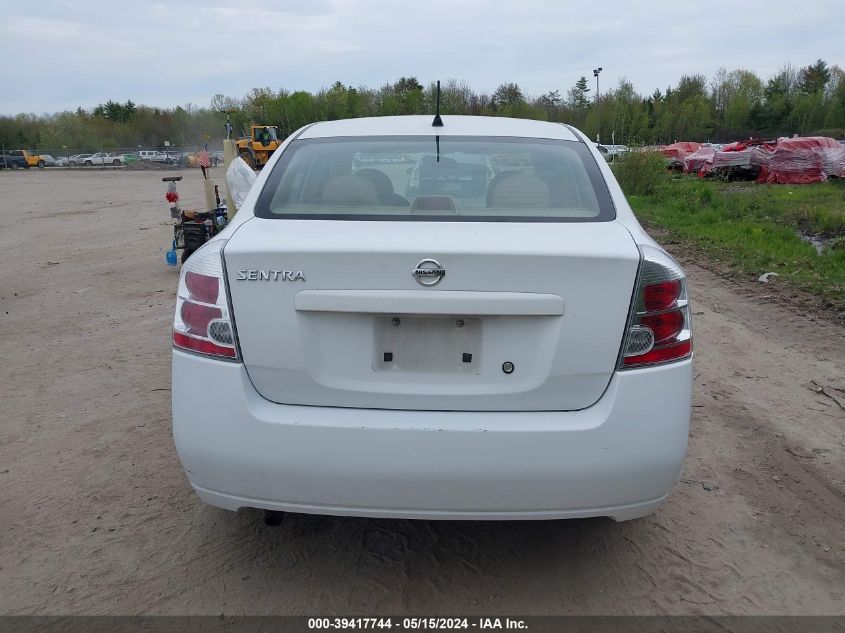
349, 190
381, 180
519, 191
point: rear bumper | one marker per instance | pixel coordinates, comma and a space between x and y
618, 458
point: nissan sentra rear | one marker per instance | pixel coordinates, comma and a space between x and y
462, 321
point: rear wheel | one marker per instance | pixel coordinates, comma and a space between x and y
40, 164
115, 162
88, 163
248, 158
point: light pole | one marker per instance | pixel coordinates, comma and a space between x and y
596, 72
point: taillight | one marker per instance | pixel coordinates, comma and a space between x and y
203, 322
659, 328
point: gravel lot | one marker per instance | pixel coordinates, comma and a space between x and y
96, 516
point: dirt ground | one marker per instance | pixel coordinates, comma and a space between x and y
96, 516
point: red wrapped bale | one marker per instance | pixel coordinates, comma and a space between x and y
677, 152
700, 162
735, 158
804, 160
762, 155
833, 161
738, 160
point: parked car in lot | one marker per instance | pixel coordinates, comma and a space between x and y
104, 158
505, 347
29, 159
152, 155
13, 159
175, 157
471, 163
78, 159
45, 160
603, 151
61, 161
184, 158
612, 152
617, 151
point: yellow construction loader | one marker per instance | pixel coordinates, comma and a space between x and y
257, 148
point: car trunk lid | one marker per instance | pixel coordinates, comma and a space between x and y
526, 316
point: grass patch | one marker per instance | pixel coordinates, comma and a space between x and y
640, 173
754, 228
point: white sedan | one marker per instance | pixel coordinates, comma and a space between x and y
105, 158
505, 347
78, 159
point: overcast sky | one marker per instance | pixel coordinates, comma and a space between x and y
60, 54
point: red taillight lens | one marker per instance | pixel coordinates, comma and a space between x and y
203, 288
203, 323
202, 346
197, 317
666, 325
658, 328
662, 295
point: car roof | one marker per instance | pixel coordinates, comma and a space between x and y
453, 125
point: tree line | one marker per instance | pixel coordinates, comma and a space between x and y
728, 106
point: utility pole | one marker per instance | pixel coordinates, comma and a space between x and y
596, 72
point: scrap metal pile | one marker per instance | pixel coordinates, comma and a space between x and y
798, 160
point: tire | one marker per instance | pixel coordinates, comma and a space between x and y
248, 158
88, 163
41, 164
116, 162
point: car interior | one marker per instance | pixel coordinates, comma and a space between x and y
388, 181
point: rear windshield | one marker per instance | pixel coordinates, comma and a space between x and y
436, 178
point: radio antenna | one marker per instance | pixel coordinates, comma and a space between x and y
438, 122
